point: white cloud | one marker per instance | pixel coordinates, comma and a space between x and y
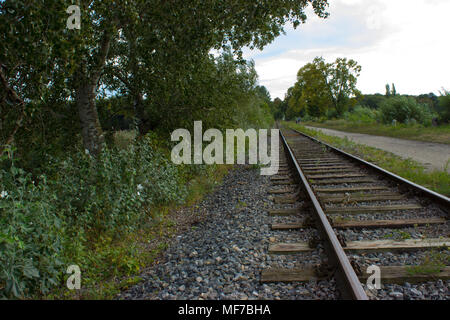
401, 41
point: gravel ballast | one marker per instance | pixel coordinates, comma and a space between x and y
222, 256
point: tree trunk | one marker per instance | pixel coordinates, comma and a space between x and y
144, 124
91, 131
85, 94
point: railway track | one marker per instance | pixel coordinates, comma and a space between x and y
364, 217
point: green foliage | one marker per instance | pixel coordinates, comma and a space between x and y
321, 86
372, 101
60, 201
404, 110
444, 106
112, 191
342, 76
398, 235
124, 139
31, 232
434, 262
45, 222
134, 48
418, 132
278, 108
263, 93
362, 115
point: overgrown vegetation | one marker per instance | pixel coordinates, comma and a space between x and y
51, 220
86, 117
404, 110
422, 118
434, 262
438, 181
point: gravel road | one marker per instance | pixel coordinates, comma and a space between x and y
432, 155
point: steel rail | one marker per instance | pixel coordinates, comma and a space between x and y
349, 277
429, 193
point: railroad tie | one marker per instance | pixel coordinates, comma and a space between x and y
366, 246
359, 224
389, 274
371, 209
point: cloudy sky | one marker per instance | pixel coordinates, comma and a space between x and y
395, 41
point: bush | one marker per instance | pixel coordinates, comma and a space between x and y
112, 190
404, 110
123, 139
444, 106
362, 115
332, 114
44, 222
31, 232
307, 118
322, 119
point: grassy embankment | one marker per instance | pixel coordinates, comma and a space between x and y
116, 264
438, 181
440, 134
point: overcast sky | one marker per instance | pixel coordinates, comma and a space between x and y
405, 42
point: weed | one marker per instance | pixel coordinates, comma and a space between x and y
433, 263
398, 235
241, 204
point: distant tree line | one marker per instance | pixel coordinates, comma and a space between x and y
329, 91
321, 87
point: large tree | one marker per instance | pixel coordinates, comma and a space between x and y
149, 47
310, 92
340, 79
321, 86
170, 53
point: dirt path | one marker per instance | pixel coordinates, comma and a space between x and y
432, 155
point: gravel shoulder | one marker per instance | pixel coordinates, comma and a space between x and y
222, 256
432, 155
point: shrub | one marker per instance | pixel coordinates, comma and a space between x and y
404, 109
332, 114
31, 233
308, 117
444, 106
362, 115
322, 119
44, 222
112, 190
123, 139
